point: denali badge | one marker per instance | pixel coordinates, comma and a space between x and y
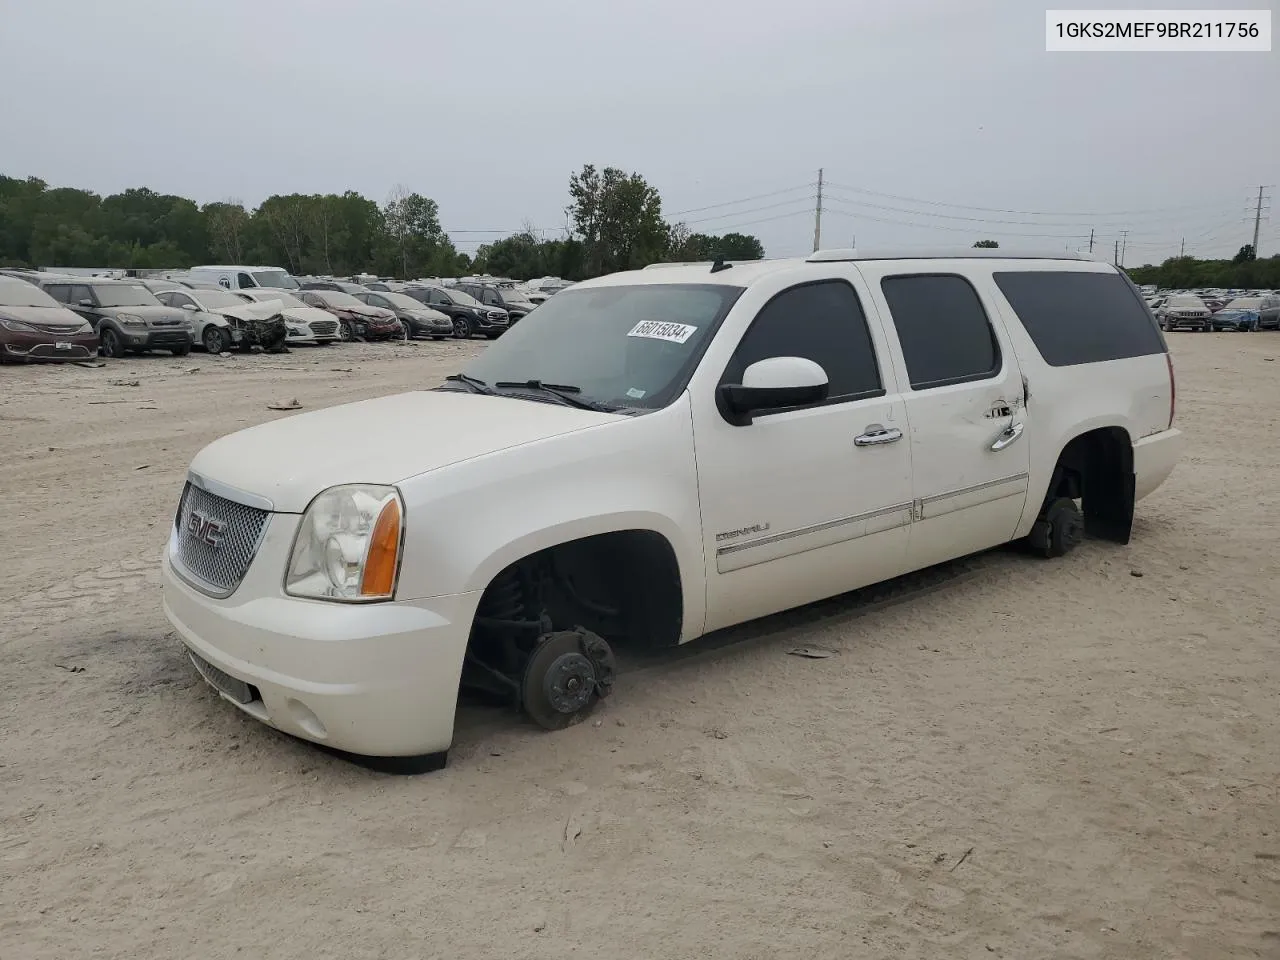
741, 532
204, 528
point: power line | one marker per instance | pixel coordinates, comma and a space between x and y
1029, 213
742, 213
833, 208
730, 203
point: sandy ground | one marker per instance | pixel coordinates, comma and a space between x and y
1029, 759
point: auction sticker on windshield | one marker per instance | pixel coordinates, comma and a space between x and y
659, 330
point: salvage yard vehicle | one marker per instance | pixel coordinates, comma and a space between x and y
35, 327
660, 454
498, 297
126, 316
416, 317
303, 323
1266, 310
468, 315
1242, 319
356, 320
239, 277
1184, 312
223, 320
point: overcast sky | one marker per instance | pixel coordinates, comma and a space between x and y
489, 105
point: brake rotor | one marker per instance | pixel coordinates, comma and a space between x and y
561, 680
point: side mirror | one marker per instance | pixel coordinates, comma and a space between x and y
189, 307
86, 303
772, 384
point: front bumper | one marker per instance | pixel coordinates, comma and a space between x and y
372, 679
156, 338
46, 347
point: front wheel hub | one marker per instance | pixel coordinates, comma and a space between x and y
566, 673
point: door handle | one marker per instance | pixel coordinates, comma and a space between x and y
1006, 436
876, 435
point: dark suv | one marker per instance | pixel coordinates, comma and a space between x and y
492, 295
126, 315
468, 314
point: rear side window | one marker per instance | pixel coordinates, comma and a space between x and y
1081, 317
822, 322
945, 334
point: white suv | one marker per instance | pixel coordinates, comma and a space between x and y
651, 456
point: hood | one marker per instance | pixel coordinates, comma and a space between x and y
147, 312
43, 316
292, 459
252, 311
426, 313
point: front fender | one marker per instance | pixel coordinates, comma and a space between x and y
467, 521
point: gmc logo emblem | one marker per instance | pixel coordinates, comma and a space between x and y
205, 529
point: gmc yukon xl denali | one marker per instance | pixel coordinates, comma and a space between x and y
660, 454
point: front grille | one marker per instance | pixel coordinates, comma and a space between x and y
237, 690
61, 329
497, 317
216, 539
74, 352
324, 328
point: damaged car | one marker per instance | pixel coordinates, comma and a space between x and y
223, 320
356, 320
34, 326
418, 319
303, 323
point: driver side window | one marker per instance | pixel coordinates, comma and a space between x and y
823, 322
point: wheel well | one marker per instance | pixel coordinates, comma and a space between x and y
1097, 469
624, 586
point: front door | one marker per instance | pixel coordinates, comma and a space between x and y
794, 507
964, 398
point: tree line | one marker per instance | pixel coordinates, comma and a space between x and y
615, 223
1244, 271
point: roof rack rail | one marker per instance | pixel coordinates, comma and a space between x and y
945, 253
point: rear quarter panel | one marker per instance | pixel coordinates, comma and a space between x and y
1065, 402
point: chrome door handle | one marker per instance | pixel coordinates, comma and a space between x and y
1009, 434
877, 434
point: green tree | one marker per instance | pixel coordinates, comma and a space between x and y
618, 217
1245, 254
987, 244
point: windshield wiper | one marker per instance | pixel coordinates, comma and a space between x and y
563, 391
479, 386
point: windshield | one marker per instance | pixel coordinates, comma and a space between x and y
401, 301
629, 346
125, 295
288, 299
275, 278
19, 293
335, 299
1245, 303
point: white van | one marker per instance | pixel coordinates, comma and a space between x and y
241, 277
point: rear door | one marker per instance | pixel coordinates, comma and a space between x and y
965, 406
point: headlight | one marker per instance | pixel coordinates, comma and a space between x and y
17, 325
129, 320
348, 545
85, 327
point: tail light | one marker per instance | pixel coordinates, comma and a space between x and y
1173, 387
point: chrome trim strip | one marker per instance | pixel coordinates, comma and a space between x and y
812, 528
974, 488
228, 492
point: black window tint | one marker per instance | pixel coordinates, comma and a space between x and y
1081, 317
244, 280
822, 322
79, 293
59, 292
945, 334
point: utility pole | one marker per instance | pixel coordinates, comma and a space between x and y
1091, 239
1115, 257
1257, 221
817, 216
1124, 242
1182, 248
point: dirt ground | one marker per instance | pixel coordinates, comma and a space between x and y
1023, 759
